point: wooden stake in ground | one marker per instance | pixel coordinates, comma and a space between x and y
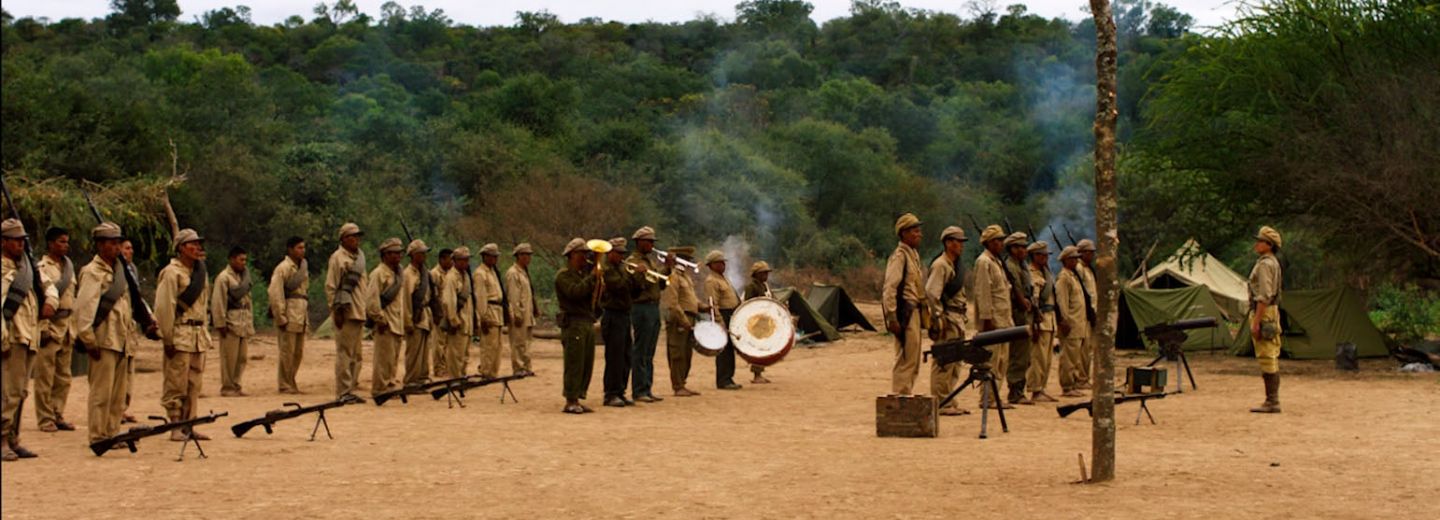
1107, 240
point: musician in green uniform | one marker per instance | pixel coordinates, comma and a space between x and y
575, 292
645, 316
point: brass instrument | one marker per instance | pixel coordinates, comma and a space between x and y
599, 247
653, 276
692, 266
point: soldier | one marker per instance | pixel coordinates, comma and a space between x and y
104, 323
758, 287
1044, 327
181, 294
681, 308
1074, 326
575, 293
992, 305
1021, 310
57, 343
904, 302
346, 290
127, 251
1086, 249
524, 308
490, 305
616, 300
389, 311
440, 334
722, 296
290, 308
645, 316
419, 289
1265, 287
456, 299
946, 287
235, 323
23, 312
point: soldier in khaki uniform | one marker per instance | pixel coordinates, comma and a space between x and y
524, 308
104, 324
21, 294
1043, 284
722, 296
290, 308
1071, 305
758, 287
945, 286
57, 336
575, 293
1022, 310
1086, 249
1265, 286
235, 322
992, 305
455, 298
440, 322
490, 307
388, 308
905, 305
182, 313
420, 291
346, 291
681, 307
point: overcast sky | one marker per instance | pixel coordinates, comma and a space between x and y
502, 12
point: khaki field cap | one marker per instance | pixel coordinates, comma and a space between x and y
461, 252
186, 236
1269, 234
1017, 239
491, 249
714, 256
953, 233
644, 233
905, 222
12, 228
1085, 244
350, 228
106, 230
575, 244
416, 246
392, 244
522, 249
1069, 252
683, 251
1039, 247
759, 267
991, 233
617, 245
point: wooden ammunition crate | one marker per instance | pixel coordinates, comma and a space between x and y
906, 416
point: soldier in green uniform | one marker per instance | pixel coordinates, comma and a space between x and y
1265, 286
620, 289
575, 293
722, 297
645, 316
758, 287
1021, 311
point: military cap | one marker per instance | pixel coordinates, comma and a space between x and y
106, 230
1069, 252
1039, 247
953, 233
186, 236
683, 251
12, 228
644, 233
760, 267
416, 246
522, 249
392, 244
461, 252
1269, 234
991, 233
574, 245
1085, 244
714, 256
350, 228
905, 222
1017, 239
617, 245
491, 249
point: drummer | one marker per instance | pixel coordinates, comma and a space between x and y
759, 287
722, 295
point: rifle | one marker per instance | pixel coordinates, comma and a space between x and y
1008, 228
133, 436
408, 237
408, 390
36, 286
979, 231
271, 417
1067, 409
1031, 230
1066, 227
139, 308
456, 387
1056, 236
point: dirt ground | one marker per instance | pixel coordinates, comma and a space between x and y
1347, 446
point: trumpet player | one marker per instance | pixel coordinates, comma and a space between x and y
621, 284
575, 292
645, 314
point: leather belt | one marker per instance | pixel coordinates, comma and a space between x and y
494, 302
293, 297
61, 314
193, 323
952, 308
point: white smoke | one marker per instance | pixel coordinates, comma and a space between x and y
737, 261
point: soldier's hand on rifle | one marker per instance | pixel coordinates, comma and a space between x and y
93, 352
1065, 328
152, 330
222, 331
1026, 302
47, 312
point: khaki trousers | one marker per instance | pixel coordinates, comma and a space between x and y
109, 383
457, 353
944, 378
1072, 362
347, 357
679, 347
184, 373
439, 353
292, 351
1267, 352
383, 372
520, 348
15, 372
490, 352
52, 381
1087, 360
233, 350
907, 358
1041, 356
417, 358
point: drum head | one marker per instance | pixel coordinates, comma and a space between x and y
709, 338
762, 330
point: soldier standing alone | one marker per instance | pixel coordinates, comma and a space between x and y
1265, 286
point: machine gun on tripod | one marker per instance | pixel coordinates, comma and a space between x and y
973, 351
271, 417
455, 388
133, 436
1170, 337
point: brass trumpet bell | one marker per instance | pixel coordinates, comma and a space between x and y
599, 246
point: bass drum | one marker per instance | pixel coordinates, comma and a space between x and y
709, 338
763, 331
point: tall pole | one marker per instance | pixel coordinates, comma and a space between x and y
1107, 240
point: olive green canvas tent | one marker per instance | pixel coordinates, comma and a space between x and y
1191, 266
1314, 321
808, 321
836, 306
1140, 308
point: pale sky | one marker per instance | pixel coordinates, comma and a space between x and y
502, 12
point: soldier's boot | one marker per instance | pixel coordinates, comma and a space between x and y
1272, 395
5, 453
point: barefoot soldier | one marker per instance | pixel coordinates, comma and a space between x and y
419, 291
722, 295
388, 307
520, 296
24, 287
905, 305
992, 305
1265, 286
57, 344
945, 286
1072, 320
758, 287
575, 293
235, 323
290, 308
681, 308
1044, 327
346, 288
181, 295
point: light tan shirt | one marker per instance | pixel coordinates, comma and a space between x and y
24, 328
904, 262
1265, 280
290, 310
992, 291
185, 329
1088, 277
453, 290
523, 311
58, 328
1042, 298
953, 310
411, 276
718, 288
488, 298
1070, 300
239, 320
340, 262
678, 301
115, 331
388, 318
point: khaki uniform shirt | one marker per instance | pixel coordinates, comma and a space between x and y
718, 289
185, 329
678, 302
240, 320
392, 316
488, 296
455, 299
952, 310
649, 291
1088, 278
340, 262
1044, 296
61, 328
1265, 281
521, 294
992, 291
1070, 300
290, 309
904, 262
115, 331
24, 328
419, 317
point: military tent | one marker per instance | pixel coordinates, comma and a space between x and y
1191, 266
835, 305
808, 320
1140, 308
1314, 321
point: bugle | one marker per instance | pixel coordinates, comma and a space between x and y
665, 255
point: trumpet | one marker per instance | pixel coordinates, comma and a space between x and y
665, 255
653, 276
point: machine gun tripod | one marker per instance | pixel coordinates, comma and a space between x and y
973, 351
1170, 337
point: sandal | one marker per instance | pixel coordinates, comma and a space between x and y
573, 408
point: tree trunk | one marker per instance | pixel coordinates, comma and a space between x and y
1107, 241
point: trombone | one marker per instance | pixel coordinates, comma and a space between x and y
665, 255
